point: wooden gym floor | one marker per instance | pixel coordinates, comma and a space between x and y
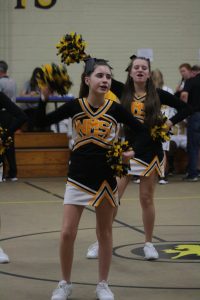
31, 213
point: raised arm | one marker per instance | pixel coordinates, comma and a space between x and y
63, 112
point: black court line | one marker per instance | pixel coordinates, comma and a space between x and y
94, 284
114, 248
92, 210
84, 283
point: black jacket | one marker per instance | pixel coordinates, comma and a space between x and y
11, 116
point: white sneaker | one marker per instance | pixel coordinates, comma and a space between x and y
137, 181
3, 257
14, 179
93, 250
150, 252
63, 291
163, 181
103, 292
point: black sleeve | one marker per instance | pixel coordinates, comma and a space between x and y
12, 117
183, 109
117, 88
187, 85
65, 111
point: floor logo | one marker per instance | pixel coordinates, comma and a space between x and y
190, 251
168, 251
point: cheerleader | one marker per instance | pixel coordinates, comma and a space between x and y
140, 97
11, 118
90, 179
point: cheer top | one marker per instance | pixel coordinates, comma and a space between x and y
152, 157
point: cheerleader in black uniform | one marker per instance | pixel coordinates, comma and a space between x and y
90, 179
141, 98
11, 118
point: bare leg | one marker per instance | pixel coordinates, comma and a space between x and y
121, 184
104, 215
71, 218
147, 188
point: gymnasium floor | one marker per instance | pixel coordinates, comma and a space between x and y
31, 212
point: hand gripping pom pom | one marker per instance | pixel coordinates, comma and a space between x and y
114, 158
55, 77
161, 132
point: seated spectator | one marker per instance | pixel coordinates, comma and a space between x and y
31, 89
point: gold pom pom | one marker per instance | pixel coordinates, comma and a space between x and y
114, 158
56, 77
72, 48
161, 132
6, 141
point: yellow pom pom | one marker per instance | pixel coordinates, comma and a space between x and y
161, 133
114, 156
6, 140
56, 77
72, 48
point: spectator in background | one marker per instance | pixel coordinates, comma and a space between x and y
31, 89
185, 70
179, 137
7, 85
195, 70
168, 111
191, 95
178, 140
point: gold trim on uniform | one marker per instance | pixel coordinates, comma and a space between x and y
104, 192
92, 197
141, 168
92, 140
100, 111
80, 186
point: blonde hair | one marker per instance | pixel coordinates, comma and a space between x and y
157, 78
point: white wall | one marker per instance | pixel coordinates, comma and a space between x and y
113, 29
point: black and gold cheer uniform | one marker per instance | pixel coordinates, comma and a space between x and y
149, 157
90, 178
